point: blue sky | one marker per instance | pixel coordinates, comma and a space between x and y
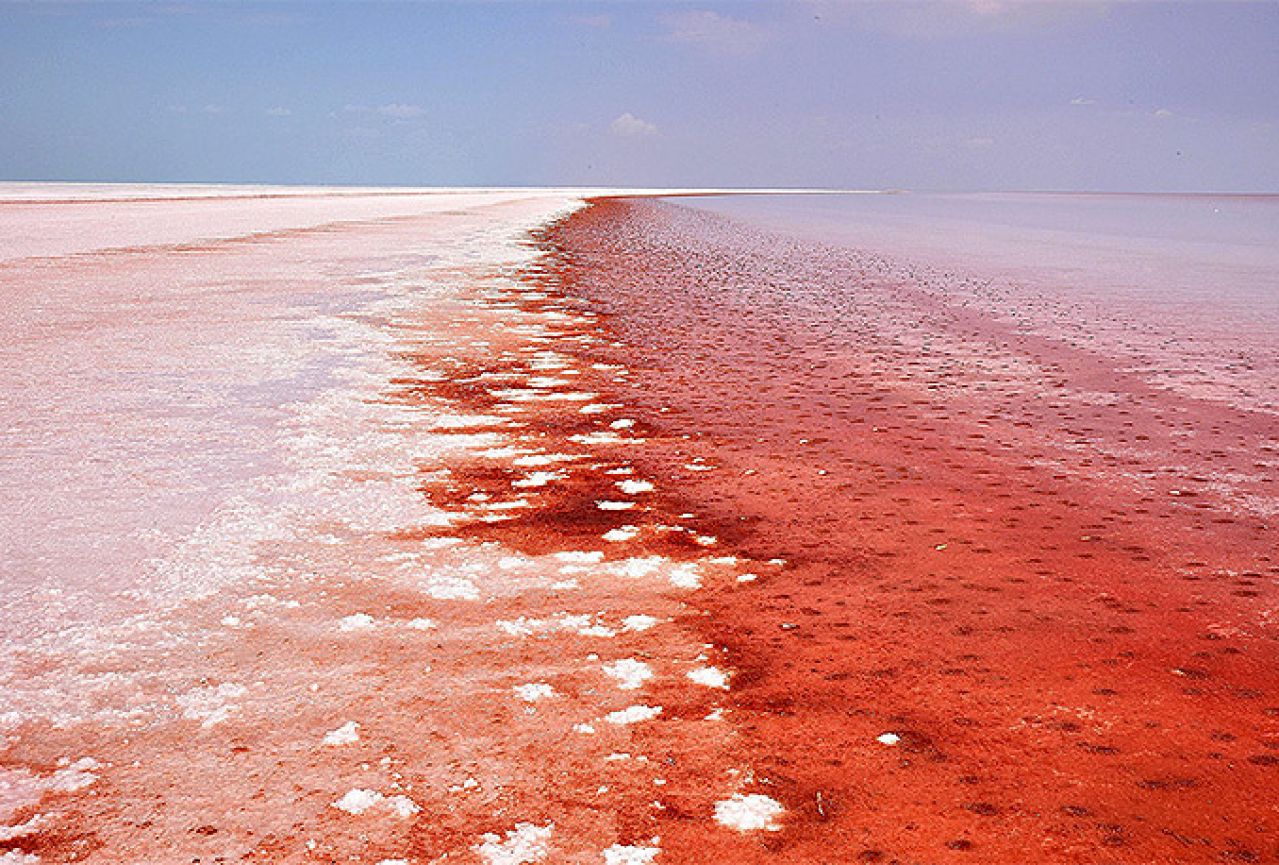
940, 95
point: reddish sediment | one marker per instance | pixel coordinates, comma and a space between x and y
1043, 574
1015, 555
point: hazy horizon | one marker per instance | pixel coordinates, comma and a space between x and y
932, 96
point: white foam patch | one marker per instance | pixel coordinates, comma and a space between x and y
620, 854
633, 715
525, 843
629, 673
621, 533
889, 739
711, 677
614, 506
344, 735
749, 812
421, 624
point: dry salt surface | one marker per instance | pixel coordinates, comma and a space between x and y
315, 549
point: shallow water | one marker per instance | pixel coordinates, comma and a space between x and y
1121, 273
1025, 509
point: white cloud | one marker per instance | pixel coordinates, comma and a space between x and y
1163, 112
630, 126
278, 112
1079, 100
714, 32
213, 109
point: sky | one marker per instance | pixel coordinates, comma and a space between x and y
954, 95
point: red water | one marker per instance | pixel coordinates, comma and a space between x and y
1050, 575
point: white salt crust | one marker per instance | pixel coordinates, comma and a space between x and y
629, 673
748, 812
711, 677
359, 800
527, 842
347, 734
534, 692
633, 715
620, 854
